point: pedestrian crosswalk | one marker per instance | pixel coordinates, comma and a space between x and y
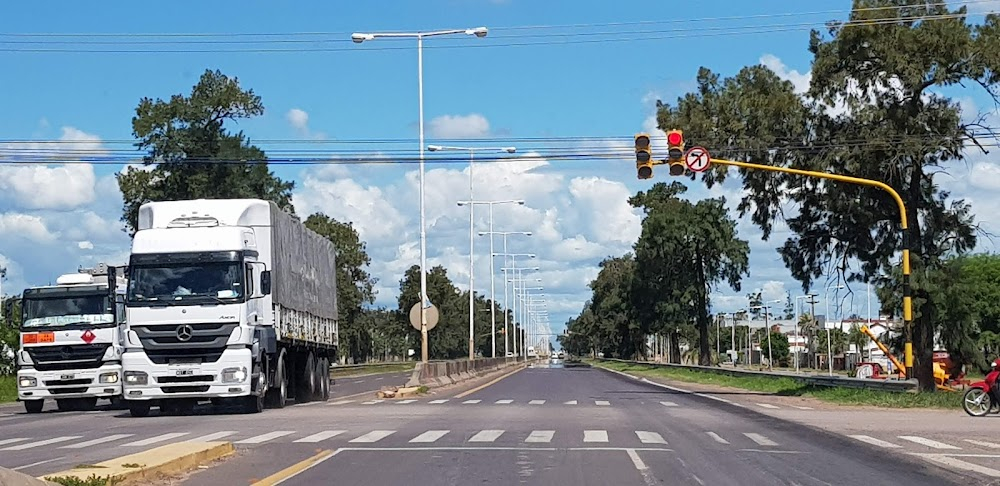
908, 441
539, 402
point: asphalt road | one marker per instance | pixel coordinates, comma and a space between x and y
348, 385
576, 426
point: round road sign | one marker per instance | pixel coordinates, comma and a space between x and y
697, 159
432, 316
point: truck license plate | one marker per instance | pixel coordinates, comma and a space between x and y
65, 377
185, 372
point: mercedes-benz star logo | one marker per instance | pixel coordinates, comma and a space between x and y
184, 332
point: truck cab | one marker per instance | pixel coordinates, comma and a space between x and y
71, 341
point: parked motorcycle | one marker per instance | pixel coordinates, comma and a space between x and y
983, 397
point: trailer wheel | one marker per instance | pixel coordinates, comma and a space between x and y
307, 389
277, 397
34, 406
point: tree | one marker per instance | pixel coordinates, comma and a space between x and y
612, 309
886, 69
10, 337
191, 155
789, 311
450, 337
684, 252
355, 286
755, 302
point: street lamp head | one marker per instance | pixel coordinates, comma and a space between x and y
531, 255
520, 201
510, 150
478, 32
462, 203
528, 233
434, 148
481, 233
359, 37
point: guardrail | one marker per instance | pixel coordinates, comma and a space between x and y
899, 386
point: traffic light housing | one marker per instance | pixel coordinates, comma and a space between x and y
675, 152
643, 156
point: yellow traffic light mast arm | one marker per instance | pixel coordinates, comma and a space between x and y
907, 297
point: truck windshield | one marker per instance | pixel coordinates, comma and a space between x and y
185, 282
67, 311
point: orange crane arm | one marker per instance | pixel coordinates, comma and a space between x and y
895, 362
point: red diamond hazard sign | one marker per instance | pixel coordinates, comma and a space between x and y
88, 336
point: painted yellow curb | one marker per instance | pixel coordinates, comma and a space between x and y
480, 387
163, 460
295, 469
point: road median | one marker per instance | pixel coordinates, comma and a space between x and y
147, 466
442, 373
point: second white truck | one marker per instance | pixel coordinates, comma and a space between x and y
231, 301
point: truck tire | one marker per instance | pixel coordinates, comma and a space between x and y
307, 387
34, 406
138, 409
324, 379
254, 403
277, 397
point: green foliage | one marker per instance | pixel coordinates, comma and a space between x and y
8, 388
9, 334
887, 72
92, 480
612, 306
192, 155
355, 286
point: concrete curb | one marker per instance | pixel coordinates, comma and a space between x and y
164, 460
436, 374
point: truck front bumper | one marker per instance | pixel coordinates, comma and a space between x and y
103, 382
227, 377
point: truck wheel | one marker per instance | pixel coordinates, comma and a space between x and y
324, 379
307, 388
86, 404
277, 397
65, 404
254, 403
34, 406
138, 409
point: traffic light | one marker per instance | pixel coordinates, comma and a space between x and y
643, 158
675, 152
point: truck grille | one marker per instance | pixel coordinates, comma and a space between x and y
77, 356
197, 343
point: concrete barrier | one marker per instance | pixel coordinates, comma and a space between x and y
814, 380
440, 373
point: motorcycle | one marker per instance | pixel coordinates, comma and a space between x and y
983, 397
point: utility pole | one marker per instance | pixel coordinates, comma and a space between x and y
812, 304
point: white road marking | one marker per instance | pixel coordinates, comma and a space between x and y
716, 437
767, 405
504, 402
11, 441
212, 437
668, 404
372, 402
632, 454
571, 402
93, 442
471, 402
486, 436
928, 442
602, 403
153, 440
540, 436
265, 437
595, 435
430, 436
875, 442
39, 443
982, 443
39, 463
802, 408
404, 402
373, 436
536, 402
962, 465
340, 402
760, 439
437, 402
649, 437
321, 436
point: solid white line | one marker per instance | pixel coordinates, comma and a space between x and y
718, 399
602, 403
767, 405
928, 442
668, 387
536, 402
802, 408
540, 436
437, 402
265, 437
340, 402
486, 436
373, 436
404, 402
632, 454
668, 404
649, 437
30, 445
571, 402
595, 435
471, 402
716, 437
760, 439
430, 436
504, 402
39, 463
321, 436
11, 441
372, 402
100, 440
982, 443
875, 442
963, 465
211, 437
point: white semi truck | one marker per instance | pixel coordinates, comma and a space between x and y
71, 340
231, 301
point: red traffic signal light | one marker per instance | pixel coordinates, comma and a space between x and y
675, 152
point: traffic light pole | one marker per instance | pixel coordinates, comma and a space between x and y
907, 298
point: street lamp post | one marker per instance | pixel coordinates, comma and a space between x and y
472, 223
767, 329
798, 314
505, 308
514, 275
358, 38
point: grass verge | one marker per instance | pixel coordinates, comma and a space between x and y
788, 387
93, 480
375, 368
8, 388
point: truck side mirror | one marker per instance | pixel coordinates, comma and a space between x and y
265, 282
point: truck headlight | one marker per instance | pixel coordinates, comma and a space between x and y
27, 382
109, 377
234, 375
136, 377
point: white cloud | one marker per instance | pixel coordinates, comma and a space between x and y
472, 125
85, 245
799, 80
29, 180
32, 228
299, 119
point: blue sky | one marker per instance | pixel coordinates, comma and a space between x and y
53, 219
